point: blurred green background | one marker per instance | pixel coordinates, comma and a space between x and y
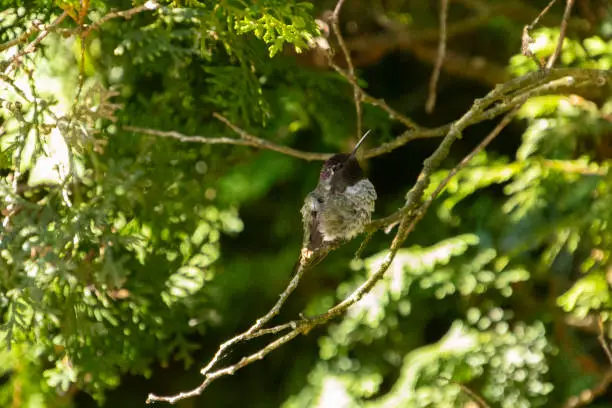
126, 258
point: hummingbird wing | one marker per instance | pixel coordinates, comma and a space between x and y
311, 212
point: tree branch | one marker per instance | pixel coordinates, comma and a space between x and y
560, 80
473, 395
247, 140
150, 5
45, 30
555, 81
257, 327
36, 27
566, 15
230, 370
408, 216
573, 78
30, 48
481, 146
602, 339
587, 396
433, 82
349, 63
365, 97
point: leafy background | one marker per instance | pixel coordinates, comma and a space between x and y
126, 258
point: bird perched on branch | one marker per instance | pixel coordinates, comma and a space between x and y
341, 205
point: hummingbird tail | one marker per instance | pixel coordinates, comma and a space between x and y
310, 258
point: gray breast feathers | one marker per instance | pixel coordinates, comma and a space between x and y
345, 215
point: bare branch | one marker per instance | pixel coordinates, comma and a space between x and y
367, 98
247, 140
408, 216
481, 146
45, 30
542, 13
478, 114
571, 79
349, 63
477, 398
526, 39
587, 396
433, 82
555, 81
253, 330
150, 5
230, 370
602, 339
36, 27
256, 330
566, 15
30, 48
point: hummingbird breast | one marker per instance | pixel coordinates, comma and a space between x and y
329, 215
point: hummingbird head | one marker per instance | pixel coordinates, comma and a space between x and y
343, 168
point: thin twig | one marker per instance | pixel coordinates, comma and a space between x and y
418, 215
252, 331
587, 396
251, 141
349, 63
542, 13
410, 214
433, 81
36, 27
556, 81
30, 48
485, 142
230, 370
476, 114
363, 245
566, 15
526, 40
11, 207
274, 330
477, 398
602, 339
367, 98
126, 14
574, 77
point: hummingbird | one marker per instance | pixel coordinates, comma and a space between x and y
341, 205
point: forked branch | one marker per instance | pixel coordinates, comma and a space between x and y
505, 98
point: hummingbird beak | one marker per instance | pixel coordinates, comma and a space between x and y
354, 152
